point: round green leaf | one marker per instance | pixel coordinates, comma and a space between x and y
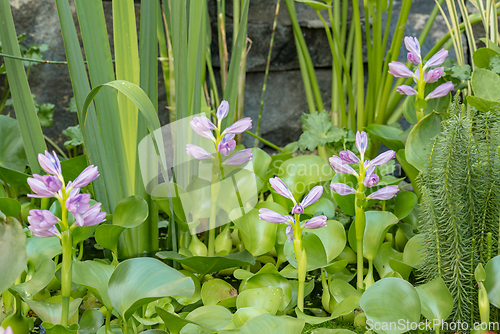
213, 317
260, 161
261, 280
51, 311
404, 203
130, 212
322, 245
12, 153
13, 256
412, 254
266, 323
41, 249
482, 57
268, 298
386, 134
341, 290
486, 84
91, 321
9, 207
390, 300
418, 145
107, 236
215, 290
94, 276
383, 257
322, 207
492, 282
41, 278
332, 331
436, 300
161, 281
346, 203
245, 313
13, 177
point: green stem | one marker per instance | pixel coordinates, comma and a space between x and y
67, 254
108, 321
268, 143
300, 255
215, 188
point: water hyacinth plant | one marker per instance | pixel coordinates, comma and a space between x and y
428, 73
366, 179
294, 228
43, 223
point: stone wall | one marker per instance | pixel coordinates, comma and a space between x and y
285, 99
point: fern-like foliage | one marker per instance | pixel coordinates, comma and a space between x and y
460, 204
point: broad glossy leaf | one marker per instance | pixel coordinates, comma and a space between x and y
322, 245
41, 278
213, 317
9, 207
91, 321
244, 314
187, 300
207, 265
322, 207
482, 104
482, 57
412, 254
130, 212
486, 84
492, 282
436, 300
94, 276
377, 225
142, 289
388, 256
51, 311
260, 161
13, 177
12, 153
107, 236
12, 252
59, 329
408, 168
391, 300
71, 168
332, 331
258, 236
346, 306
268, 298
386, 134
261, 280
418, 145
41, 249
404, 203
303, 172
266, 323
173, 322
346, 203
341, 290
82, 233
216, 290
308, 288
195, 329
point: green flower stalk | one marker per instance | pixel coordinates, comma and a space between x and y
44, 223
294, 228
366, 179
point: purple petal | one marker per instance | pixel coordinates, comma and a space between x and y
227, 144
197, 152
348, 157
384, 193
437, 59
44, 186
361, 142
222, 110
88, 175
342, 189
289, 233
370, 178
240, 157
203, 127
281, 188
406, 90
240, 126
441, 90
399, 70
413, 58
272, 216
315, 222
50, 163
434, 74
382, 158
93, 216
77, 203
8, 330
412, 45
298, 209
312, 197
339, 166
42, 223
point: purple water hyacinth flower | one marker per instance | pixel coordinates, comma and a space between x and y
434, 74
50, 164
342, 189
44, 186
406, 90
441, 90
371, 179
222, 110
271, 216
312, 197
348, 157
437, 59
77, 203
382, 158
361, 142
8, 330
203, 127
240, 157
412, 45
384, 193
92, 216
315, 222
240, 126
88, 175
290, 235
339, 166
281, 188
197, 152
399, 70
227, 144
298, 209
42, 223
413, 58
